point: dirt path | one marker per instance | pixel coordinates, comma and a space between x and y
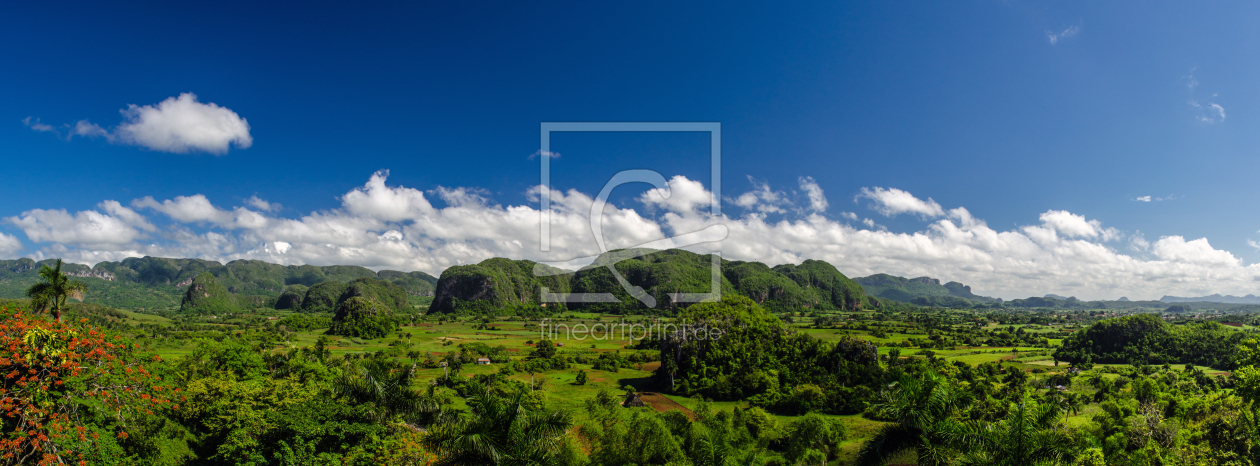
662, 403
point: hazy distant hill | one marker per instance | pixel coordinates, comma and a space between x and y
160, 283
1216, 298
929, 290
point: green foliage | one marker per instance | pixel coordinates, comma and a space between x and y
500, 430
363, 318
53, 290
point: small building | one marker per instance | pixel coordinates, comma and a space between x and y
633, 401
483, 361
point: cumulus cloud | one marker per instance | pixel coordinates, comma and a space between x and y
396, 227
1071, 225
1177, 249
1142, 199
178, 124
377, 201
892, 201
685, 196
9, 245
1066, 33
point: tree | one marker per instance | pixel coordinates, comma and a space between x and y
51, 293
499, 431
544, 349
73, 394
581, 377
814, 433
1027, 436
922, 414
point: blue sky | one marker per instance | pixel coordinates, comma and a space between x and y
1011, 110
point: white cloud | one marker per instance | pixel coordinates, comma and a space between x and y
1177, 249
87, 129
9, 245
34, 124
187, 209
260, 204
817, 201
1142, 199
85, 228
1070, 224
849, 215
177, 124
182, 124
685, 196
395, 227
762, 198
1056, 37
380, 202
543, 153
1209, 113
892, 201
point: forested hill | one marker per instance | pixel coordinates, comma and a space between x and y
160, 283
506, 286
922, 290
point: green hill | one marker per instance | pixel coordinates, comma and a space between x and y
206, 296
662, 275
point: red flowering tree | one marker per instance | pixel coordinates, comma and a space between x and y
68, 390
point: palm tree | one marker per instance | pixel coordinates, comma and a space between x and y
385, 392
922, 411
499, 431
1028, 436
51, 294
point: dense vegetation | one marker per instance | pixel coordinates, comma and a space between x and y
792, 367
1147, 339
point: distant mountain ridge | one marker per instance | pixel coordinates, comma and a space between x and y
507, 286
920, 290
1216, 298
160, 283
